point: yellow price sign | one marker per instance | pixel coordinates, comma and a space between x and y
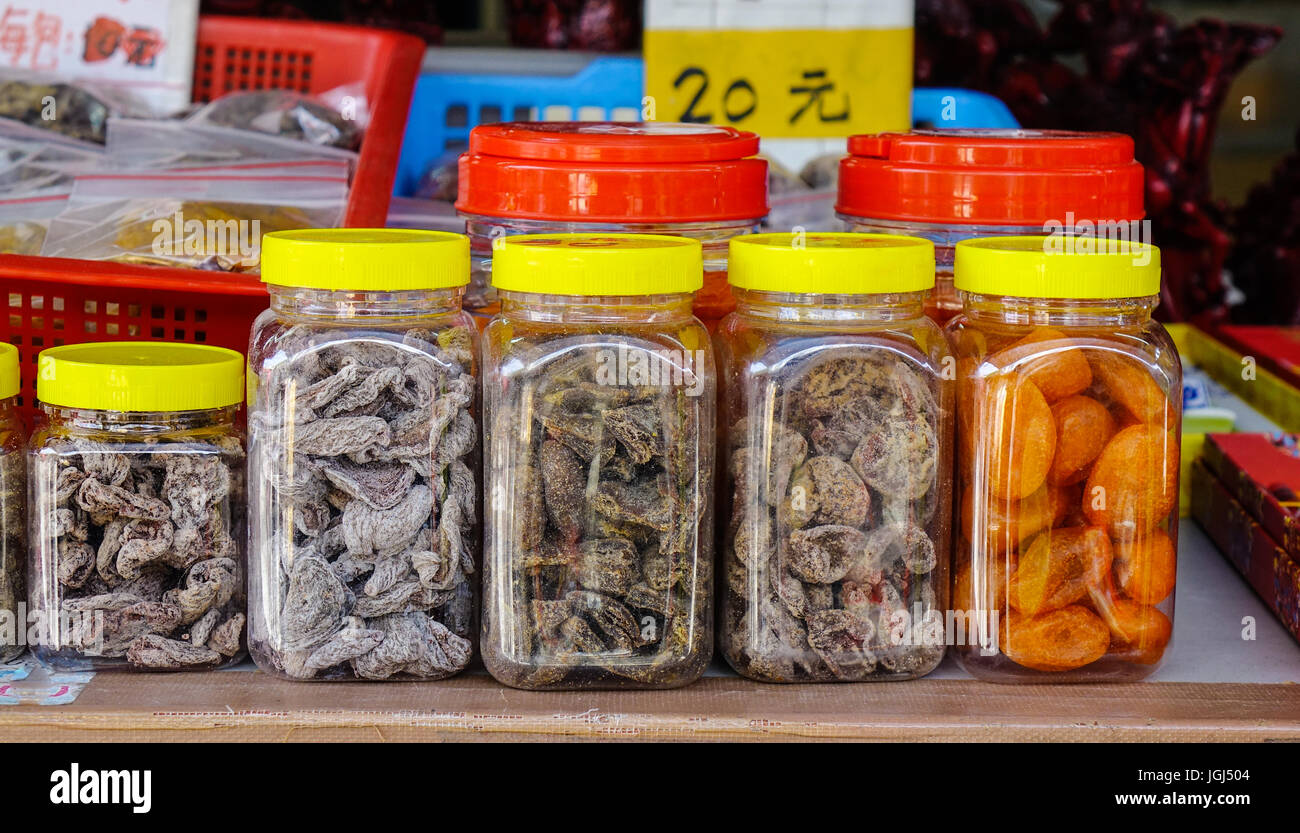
782, 83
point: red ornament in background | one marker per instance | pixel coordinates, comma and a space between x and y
1143, 75
595, 25
1265, 263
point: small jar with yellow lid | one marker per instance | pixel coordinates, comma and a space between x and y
136, 477
837, 416
1068, 425
599, 398
13, 501
362, 468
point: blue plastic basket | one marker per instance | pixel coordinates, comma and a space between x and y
447, 105
955, 107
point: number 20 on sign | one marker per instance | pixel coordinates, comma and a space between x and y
783, 83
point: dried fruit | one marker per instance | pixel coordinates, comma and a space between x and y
1134, 482
1139, 633
823, 579
1145, 568
1016, 430
1060, 640
602, 582
1058, 568
1129, 384
144, 538
1006, 525
1083, 425
1055, 364
13, 529
364, 507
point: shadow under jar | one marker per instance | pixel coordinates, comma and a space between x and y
1069, 419
362, 467
13, 502
136, 477
837, 420
599, 398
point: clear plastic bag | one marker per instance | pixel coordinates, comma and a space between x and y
25, 220
335, 119
148, 143
205, 219
49, 106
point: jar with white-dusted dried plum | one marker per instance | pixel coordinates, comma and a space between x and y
837, 418
599, 398
13, 500
362, 469
137, 507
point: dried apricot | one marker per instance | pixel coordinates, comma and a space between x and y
1058, 568
1145, 568
1128, 382
1051, 361
1008, 523
1071, 637
1083, 425
1019, 434
1138, 633
991, 590
1134, 482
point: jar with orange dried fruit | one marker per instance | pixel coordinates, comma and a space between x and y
1068, 411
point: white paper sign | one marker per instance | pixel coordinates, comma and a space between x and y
146, 46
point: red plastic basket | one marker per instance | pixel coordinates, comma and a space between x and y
52, 301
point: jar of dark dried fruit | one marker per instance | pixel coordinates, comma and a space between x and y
837, 417
137, 503
13, 501
362, 467
951, 185
599, 391
695, 180
1068, 424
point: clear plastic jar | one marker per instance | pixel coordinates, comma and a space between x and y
837, 419
137, 507
363, 477
953, 185
13, 501
599, 408
1069, 409
693, 180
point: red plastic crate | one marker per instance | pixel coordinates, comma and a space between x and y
52, 301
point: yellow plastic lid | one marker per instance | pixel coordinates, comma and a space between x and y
140, 376
1057, 267
597, 264
10, 379
831, 264
365, 260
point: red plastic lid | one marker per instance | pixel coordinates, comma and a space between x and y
654, 172
998, 177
